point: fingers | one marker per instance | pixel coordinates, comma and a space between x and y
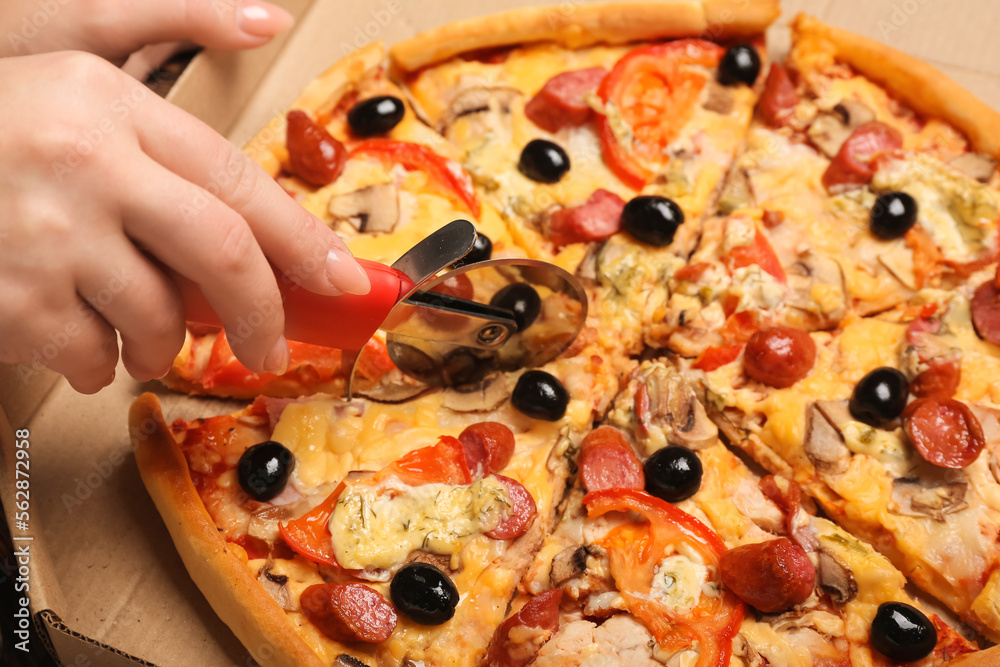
137, 299
221, 24
296, 242
212, 245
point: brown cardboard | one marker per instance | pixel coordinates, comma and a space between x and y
103, 569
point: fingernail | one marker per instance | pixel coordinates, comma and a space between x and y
276, 360
344, 272
262, 19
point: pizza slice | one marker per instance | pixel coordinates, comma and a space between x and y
352, 152
324, 531
677, 554
601, 136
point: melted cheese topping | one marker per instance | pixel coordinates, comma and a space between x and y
380, 526
679, 582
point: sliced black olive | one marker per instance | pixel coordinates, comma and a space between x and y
740, 64
423, 593
543, 161
376, 115
673, 473
902, 632
522, 300
892, 215
481, 251
653, 220
879, 397
263, 470
540, 395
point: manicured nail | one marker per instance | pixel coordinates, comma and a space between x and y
262, 19
276, 360
344, 272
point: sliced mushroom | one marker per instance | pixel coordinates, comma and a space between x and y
808, 272
476, 100
264, 522
345, 660
568, 563
442, 563
673, 412
898, 259
830, 130
482, 396
373, 209
736, 193
923, 497
823, 444
836, 578
975, 165
747, 653
587, 268
275, 585
719, 98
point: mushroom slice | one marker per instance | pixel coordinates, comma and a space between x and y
568, 563
483, 396
747, 653
719, 98
345, 660
372, 210
816, 289
975, 165
478, 99
898, 259
836, 578
442, 563
670, 410
275, 585
830, 130
923, 497
736, 193
264, 522
823, 443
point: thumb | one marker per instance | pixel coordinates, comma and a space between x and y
220, 24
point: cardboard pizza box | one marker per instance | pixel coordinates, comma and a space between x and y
105, 585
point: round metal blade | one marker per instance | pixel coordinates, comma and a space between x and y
429, 352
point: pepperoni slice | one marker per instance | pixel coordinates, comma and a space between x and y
560, 103
939, 380
522, 511
488, 447
779, 97
771, 576
594, 220
944, 431
313, 154
541, 613
854, 164
779, 356
986, 311
715, 357
607, 461
349, 612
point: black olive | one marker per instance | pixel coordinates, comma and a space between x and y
740, 64
423, 593
543, 161
880, 396
892, 215
263, 470
651, 219
673, 473
522, 300
540, 395
902, 632
481, 251
376, 115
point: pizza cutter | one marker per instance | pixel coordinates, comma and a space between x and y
443, 327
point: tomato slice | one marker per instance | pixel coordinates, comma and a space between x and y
309, 535
449, 176
635, 551
653, 92
716, 357
759, 252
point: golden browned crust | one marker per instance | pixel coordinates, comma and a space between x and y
575, 26
321, 94
988, 658
923, 87
223, 578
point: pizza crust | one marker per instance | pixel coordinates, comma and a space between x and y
223, 578
575, 26
923, 87
986, 658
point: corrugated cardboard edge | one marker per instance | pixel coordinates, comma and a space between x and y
64, 643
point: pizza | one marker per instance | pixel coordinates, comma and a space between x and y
774, 441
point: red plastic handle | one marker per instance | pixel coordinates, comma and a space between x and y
345, 322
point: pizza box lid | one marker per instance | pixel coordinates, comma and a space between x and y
105, 585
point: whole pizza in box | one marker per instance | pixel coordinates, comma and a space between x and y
775, 440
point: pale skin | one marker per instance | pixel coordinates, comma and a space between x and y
107, 191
